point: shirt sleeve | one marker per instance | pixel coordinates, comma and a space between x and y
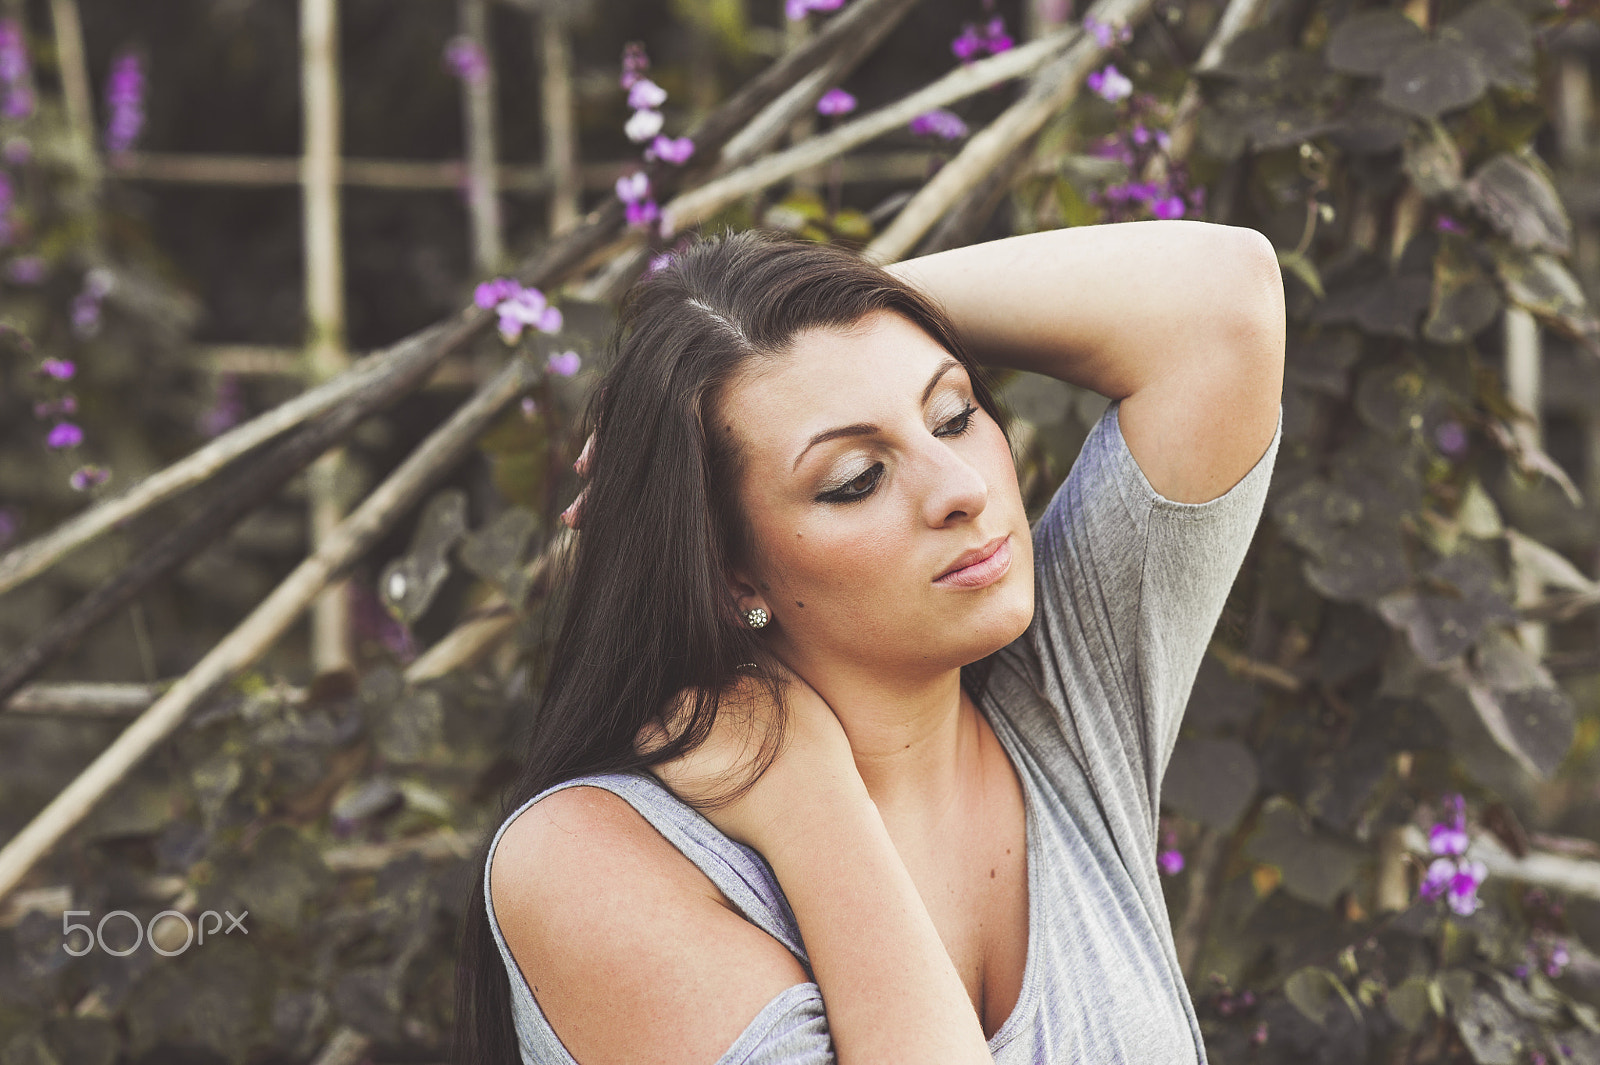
792, 1029
1128, 588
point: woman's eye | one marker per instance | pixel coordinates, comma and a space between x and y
864, 484
959, 424
859, 488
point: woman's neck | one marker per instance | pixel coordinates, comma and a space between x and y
915, 743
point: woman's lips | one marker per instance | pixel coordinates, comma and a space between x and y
983, 572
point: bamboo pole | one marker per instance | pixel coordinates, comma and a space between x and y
1522, 369
224, 503
751, 105
700, 203
258, 632
477, 119
358, 532
1052, 90
554, 47
74, 72
324, 283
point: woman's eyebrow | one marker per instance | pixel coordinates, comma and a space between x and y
865, 428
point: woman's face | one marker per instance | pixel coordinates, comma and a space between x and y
870, 472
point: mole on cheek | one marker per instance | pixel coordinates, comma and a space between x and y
799, 604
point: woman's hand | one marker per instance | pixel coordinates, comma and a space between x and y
813, 769
574, 511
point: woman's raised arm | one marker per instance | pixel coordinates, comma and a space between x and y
1182, 320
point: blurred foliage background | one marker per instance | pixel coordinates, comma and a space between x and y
179, 255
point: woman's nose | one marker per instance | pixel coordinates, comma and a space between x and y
955, 489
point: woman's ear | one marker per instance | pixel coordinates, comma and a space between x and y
748, 591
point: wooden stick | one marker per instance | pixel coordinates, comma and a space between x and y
229, 501
82, 700
324, 290
29, 559
74, 67
257, 633
554, 47
1557, 872
477, 107
550, 263
702, 202
1052, 90
1522, 365
489, 623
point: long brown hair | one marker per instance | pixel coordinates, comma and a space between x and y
647, 612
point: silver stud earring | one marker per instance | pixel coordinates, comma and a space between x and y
756, 617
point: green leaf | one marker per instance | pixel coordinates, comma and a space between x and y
1517, 198
1433, 77
1410, 1004
1313, 989
408, 585
1315, 868
1211, 781
1368, 42
1303, 268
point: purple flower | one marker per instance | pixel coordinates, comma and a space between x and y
643, 125
968, 44
995, 37
16, 96
659, 262
992, 39
491, 294
565, 364
1448, 840
60, 369
64, 434
1451, 438
1109, 84
1171, 207
836, 102
125, 102
643, 213
946, 125
549, 320
1170, 861
26, 270
522, 310
673, 151
634, 187
52, 408
797, 9
634, 63
1559, 959
1437, 879
1106, 34
86, 477
466, 59
645, 95
1445, 224
530, 407
1462, 894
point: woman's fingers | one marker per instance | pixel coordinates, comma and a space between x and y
574, 512
582, 465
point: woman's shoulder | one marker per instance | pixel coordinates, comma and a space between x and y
625, 943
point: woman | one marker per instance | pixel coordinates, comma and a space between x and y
836, 757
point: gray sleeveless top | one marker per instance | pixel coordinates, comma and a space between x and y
1087, 704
